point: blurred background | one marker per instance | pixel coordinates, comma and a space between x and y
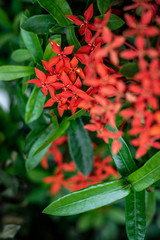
23, 195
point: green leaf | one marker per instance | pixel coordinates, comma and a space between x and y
129, 70
57, 29
48, 53
58, 9
135, 216
11, 72
72, 39
21, 55
32, 43
32, 161
5, 38
39, 24
114, 22
4, 20
123, 159
33, 136
148, 174
150, 206
34, 105
80, 147
77, 114
89, 198
21, 101
64, 125
103, 5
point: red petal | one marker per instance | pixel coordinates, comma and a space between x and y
68, 50
35, 81
51, 79
106, 17
61, 108
83, 58
65, 94
44, 162
40, 75
118, 41
74, 62
91, 127
88, 13
146, 18
55, 47
80, 73
78, 83
51, 91
66, 61
130, 21
84, 49
65, 79
114, 57
47, 67
49, 179
140, 42
75, 19
88, 35
91, 26
50, 102
44, 90
129, 54
141, 152
116, 146
80, 93
72, 76
55, 187
57, 85
53, 61
82, 29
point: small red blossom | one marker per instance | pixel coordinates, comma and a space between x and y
85, 25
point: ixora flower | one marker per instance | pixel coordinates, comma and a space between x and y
84, 25
106, 90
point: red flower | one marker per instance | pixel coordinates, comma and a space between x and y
85, 25
43, 81
61, 55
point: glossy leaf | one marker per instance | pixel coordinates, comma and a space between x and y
72, 39
114, 22
123, 159
77, 114
57, 29
80, 147
150, 205
34, 105
48, 53
32, 161
32, 43
11, 72
89, 198
147, 174
58, 9
39, 24
135, 216
103, 5
21, 55
129, 70
32, 136
64, 125
21, 101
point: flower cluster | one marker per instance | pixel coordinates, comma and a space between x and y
102, 169
102, 54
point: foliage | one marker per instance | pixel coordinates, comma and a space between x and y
91, 125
